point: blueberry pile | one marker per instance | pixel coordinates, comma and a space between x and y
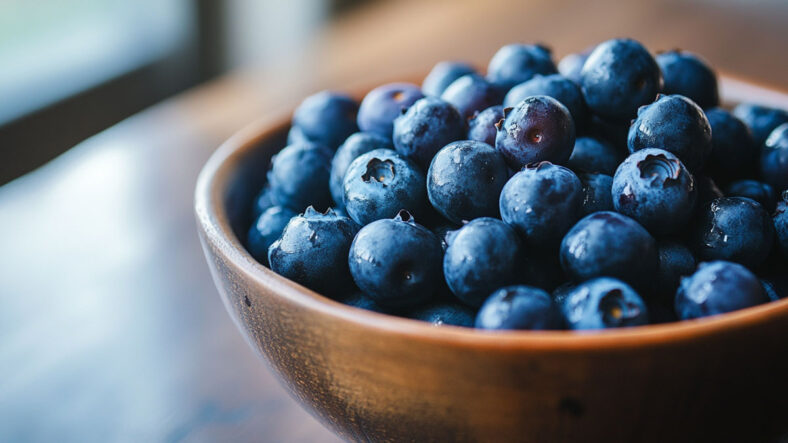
611, 190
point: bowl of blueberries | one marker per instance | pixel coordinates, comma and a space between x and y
595, 249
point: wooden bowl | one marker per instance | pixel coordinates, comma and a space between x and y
370, 376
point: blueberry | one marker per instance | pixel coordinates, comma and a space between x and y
770, 290
557, 86
572, 65
327, 117
465, 179
380, 183
385, 103
481, 127
396, 262
774, 158
482, 256
442, 232
444, 313
594, 155
516, 63
299, 176
355, 145
653, 187
761, 120
266, 230
561, 293
360, 300
676, 124
538, 129
604, 303
718, 287
428, 125
689, 75
596, 192
542, 202
519, 307
675, 261
619, 77
296, 135
313, 251
733, 151
471, 93
754, 190
781, 223
442, 75
262, 201
609, 244
735, 229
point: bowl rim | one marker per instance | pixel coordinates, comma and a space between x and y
213, 222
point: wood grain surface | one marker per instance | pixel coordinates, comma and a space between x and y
111, 327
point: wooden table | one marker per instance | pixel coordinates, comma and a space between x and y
111, 327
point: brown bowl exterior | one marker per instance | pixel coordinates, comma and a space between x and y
372, 377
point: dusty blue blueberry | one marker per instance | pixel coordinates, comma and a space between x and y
327, 117
557, 86
619, 77
538, 129
675, 261
396, 262
472, 93
428, 125
360, 300
561, 293
688, 74
519, 307
465, 179
516, 63
571, 65
385, 103
770, 290
653, 187
676, 124
734, 154
761, 192
761, 120
355, 145
481, 127
380, 183
445, 313
299, 176
482, 256
542, 202
266, 230
594, 155
313, 251
716, 288
734, 229
781, 223
774, 158
596, 192
296, 135
442, 75
609, 244
262, 201
604, 303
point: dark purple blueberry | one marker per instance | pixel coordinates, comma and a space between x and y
538, 129
442, 75
734, 229
472, 93
481, 127
716, 288
327, 118
445, 313
754, 190
654, 188
313, 251
385, 103
761, 120
774, 158
299, 176
604, 303
597, 194
676, 124
557, 86
519, 307
266, 230
734, 154
428, 125
687, 74
355, 145
542, 202
619, 77
396, 262
594, 155
465, 180
516, 63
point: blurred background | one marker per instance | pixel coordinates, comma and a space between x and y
110, 326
